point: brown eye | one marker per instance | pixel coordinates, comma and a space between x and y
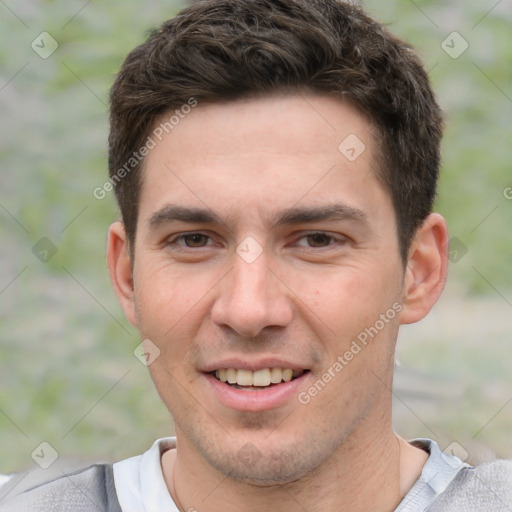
195, 240
318, 240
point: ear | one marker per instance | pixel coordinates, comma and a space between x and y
426, 270
120, 269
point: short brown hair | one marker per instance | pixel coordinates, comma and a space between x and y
222, 50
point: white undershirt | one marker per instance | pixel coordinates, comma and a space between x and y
4, 479
140, 483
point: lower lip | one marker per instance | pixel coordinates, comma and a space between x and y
260, 400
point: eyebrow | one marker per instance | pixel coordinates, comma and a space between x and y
296, 215
171, 213
304, 215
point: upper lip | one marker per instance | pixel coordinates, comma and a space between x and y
253, 365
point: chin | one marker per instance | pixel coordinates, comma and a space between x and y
268, 470
267, 464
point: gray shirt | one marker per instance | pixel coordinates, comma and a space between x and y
446, 484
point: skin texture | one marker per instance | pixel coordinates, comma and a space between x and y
303, 301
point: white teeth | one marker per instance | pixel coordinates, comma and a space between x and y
276, 375
231, 375
259, 378
244, 378
287, 375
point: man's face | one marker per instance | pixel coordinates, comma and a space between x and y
262, 246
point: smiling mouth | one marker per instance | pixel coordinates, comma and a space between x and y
254, 381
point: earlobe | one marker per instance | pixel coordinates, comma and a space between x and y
426, 271
120, 269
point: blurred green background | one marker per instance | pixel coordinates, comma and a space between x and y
68, 375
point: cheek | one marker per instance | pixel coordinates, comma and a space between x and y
355, 316
347, 296
170, 306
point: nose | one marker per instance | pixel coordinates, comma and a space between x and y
251, 298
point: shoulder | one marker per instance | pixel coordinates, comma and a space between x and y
88, 489
483, 488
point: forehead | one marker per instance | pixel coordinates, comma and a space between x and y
260, 155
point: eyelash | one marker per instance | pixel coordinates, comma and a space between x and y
183, 236
332, 239
174, 240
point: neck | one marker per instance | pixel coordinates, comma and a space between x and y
350, 480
